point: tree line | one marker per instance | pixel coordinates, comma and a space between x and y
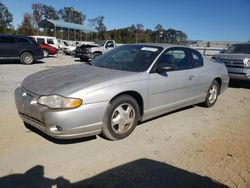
131, 34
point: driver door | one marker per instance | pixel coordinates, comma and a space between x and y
173, 88
109, 45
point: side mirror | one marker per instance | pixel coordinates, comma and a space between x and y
163, 68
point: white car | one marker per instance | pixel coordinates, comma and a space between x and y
68, 48
109, 95
52, 41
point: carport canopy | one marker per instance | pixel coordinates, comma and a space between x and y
61, 25
52, 24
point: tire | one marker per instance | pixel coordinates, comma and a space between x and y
115, 125
96, 55
26, 58
212, 94
45, 53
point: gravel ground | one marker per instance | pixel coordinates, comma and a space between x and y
192, 147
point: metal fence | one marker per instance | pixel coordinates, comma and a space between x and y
208, 51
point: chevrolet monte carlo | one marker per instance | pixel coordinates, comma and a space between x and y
111, 94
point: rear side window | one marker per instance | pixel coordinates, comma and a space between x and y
196, 58
23, 40
50, 41
7, 40
40, 41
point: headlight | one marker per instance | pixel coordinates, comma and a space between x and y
246, 62
57, 101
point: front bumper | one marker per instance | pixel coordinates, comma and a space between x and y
62, 124
239, 73
88, 56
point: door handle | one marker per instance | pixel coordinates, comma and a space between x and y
191, 77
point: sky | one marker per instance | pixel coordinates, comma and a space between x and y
213, 20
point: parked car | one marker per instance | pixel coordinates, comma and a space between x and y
20, 48
68, 48
52, 41
48, 50
88, 52
112, 93
237, 60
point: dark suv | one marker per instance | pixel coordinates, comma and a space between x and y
20, 48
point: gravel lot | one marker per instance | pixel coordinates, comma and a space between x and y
192, 147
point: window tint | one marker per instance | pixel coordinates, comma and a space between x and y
22, 40
40, 41
7, 40
50, 41
177, 59
196, 59
110, 44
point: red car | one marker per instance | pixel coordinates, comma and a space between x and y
48, 50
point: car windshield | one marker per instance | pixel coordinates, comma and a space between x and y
134, 58
239, 49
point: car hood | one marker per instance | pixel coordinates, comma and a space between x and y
232, 56
70, 79
90, 45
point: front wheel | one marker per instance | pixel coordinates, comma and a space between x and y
212, 94
121, 118
26, 58
96, 55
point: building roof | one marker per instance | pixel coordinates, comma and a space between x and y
49, 23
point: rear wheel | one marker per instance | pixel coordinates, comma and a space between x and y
26, 58
212, 94
121, 118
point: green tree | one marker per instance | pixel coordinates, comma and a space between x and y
37, 13
100, 27
5, 19
26, 26
139, 28
159, 33
176, 37
49, 12
69, 14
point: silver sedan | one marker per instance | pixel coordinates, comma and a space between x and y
112, 93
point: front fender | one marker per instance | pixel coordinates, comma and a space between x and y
109, 92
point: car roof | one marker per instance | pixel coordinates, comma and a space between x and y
163, 45
40, 36
242, 43
9, 35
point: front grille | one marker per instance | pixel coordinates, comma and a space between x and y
232, 63
241, 73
